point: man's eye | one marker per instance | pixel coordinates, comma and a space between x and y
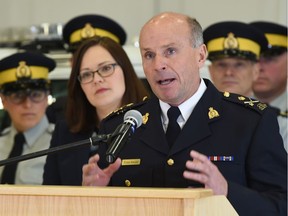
170, 51
148, 55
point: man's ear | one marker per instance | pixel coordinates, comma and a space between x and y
202, 55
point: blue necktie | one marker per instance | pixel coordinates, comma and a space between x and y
8, 174
173, 129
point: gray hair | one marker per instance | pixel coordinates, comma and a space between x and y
196, 32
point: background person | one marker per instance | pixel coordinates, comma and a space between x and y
24, 88
271, 85
227, 142
234, 49
75, 32
102, 80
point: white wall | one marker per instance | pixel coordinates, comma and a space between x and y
133, 13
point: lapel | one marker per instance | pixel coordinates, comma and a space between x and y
152, 133
197, 128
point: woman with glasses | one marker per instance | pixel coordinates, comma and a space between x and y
24, 90
102, 80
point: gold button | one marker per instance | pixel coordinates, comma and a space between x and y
127, 183
170, 162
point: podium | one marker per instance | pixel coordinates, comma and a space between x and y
110, 201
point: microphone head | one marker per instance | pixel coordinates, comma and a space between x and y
135, 115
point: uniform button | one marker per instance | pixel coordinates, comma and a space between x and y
127, 183
170, 162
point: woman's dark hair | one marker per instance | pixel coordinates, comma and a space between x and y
80, 114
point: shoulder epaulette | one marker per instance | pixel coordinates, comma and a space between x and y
284, 114
125, 108
245, 101
278, 112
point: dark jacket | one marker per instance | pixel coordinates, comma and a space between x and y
244, 130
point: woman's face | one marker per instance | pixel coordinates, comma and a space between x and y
104, 93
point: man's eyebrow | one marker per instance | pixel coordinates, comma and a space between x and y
162, 47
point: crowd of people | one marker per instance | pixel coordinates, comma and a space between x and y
229, 133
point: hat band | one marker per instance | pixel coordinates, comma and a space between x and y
244, 45
76, 36
277, 40
37, 72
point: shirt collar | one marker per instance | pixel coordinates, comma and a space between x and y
186, 107
34, 133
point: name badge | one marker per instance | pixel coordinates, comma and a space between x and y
131, 162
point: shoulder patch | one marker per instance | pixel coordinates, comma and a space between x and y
245, 101
125, 108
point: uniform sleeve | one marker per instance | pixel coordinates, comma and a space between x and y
266, 173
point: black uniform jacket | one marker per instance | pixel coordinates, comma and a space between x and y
240, 135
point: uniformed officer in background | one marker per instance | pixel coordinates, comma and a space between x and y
271, 85
24, 90
83, 27
234, 49
77, 30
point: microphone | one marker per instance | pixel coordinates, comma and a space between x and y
92, 141
132, 120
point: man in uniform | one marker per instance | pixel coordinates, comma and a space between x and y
271, 85
222, 141
24, 90
234, 49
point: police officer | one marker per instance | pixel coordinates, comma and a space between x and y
25, 87
271, 85
227, 142
83, 27
234, 49
80, 29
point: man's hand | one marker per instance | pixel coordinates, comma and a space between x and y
202, 170
92, 175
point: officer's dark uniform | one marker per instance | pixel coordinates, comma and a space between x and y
239, 134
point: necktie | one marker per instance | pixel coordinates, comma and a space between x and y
8, 174
173, 129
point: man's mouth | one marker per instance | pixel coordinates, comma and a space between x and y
166, 81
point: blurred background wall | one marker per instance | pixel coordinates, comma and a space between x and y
133, 13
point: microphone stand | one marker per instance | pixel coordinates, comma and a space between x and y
93, 141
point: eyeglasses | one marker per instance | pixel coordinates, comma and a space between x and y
103, 71
20, 96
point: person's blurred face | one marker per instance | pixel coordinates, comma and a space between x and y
170, 62
272, 80
25, 113
234, 75
104, 93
